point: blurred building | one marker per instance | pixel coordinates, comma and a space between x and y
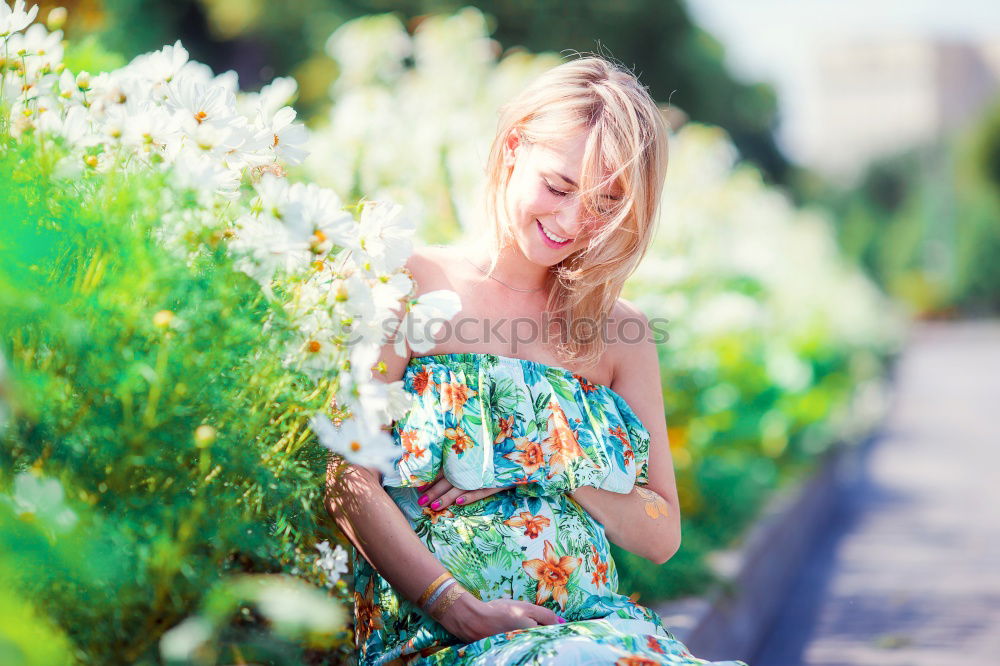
871, 98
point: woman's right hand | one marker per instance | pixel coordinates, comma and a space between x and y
470, 619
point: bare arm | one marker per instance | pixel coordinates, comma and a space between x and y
380, 532
645, 521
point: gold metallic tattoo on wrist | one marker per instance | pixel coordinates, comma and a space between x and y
445, 602
656, 506
432, 587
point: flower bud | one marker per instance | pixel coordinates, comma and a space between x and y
204, 435
163, 318
56, 19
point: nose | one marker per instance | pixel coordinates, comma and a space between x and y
568, 218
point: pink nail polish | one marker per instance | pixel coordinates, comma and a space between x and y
423, 500
436, 505
562, 620
423, 487
460, 500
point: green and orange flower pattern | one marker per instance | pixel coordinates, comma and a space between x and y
538, 432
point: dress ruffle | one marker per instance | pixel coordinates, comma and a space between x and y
493, 421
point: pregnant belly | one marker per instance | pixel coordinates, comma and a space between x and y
544, 550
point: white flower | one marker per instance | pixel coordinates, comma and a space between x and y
425, 319
333, 563
182, 641
355, 440
315, 351
67, 87
75, 127
321, 220
287, 137
386, 236
42, 49
201, 173
272, 195
363, 356
295, 224
369, 48
42, 498
385, 402
160, 66
263, 247
152, 130
15, 19
198, 103
293, 606
271, 97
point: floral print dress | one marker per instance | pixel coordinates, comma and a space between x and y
540, 431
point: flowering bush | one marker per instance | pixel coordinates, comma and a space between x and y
180, 322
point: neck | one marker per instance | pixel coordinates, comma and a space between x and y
512, 267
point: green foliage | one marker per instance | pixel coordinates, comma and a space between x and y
923, 222
29, 561
89, 55
736, 437
147, 386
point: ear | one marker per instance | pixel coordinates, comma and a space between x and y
510, 147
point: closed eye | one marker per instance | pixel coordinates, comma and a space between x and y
554, 191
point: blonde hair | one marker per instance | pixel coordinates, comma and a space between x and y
627, 140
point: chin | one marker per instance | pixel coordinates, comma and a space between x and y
538, 252
544, 256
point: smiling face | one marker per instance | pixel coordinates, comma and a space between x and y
548, 218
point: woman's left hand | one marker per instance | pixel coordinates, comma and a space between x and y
439, 494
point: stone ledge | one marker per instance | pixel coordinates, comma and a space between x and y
731, 619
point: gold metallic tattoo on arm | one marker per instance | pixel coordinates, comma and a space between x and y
656, 506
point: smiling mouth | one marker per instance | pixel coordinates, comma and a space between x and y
551, 239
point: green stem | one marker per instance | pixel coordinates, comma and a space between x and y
156, 389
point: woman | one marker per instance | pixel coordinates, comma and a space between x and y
537, 434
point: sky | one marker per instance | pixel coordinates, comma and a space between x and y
774, 40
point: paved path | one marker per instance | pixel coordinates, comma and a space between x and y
910, 570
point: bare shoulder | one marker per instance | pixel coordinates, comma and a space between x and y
631, 344
428, 266
625, 308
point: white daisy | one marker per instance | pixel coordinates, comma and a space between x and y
386, 236
333, 563
14, 19
160, 66
287, 137
356, 441
424, 320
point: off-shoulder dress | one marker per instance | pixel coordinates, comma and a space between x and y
540, 431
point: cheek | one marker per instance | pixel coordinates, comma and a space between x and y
537, 198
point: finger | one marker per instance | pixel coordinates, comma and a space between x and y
438, 488
522, 617
447, 499
470, 496
528, 623
542, 615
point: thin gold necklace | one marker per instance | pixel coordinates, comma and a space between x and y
526, 291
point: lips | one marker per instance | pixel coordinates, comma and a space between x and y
548, 241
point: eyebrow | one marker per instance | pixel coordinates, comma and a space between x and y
566, 178
573, 183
